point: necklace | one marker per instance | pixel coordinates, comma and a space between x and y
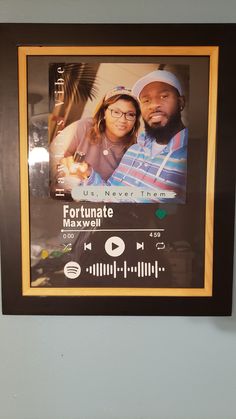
105, 151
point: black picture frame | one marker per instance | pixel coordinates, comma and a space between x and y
219, 38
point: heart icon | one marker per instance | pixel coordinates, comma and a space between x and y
161, 213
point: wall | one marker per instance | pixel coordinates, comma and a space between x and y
116, 367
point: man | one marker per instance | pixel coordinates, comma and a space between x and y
157, 164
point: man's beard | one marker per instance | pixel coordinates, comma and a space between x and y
160, 133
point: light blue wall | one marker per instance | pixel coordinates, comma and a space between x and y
117, 367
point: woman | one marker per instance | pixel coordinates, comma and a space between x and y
103, 139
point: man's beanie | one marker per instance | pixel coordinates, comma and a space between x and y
157, 75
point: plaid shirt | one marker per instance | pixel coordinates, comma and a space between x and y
143, 167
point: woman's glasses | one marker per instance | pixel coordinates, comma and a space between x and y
116, 113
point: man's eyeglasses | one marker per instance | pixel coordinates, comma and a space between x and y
116, 113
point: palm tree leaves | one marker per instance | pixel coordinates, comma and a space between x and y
73, 82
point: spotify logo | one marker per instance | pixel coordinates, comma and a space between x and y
72, 270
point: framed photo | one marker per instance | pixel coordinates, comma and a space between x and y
118, 169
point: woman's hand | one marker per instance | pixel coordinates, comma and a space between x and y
71, 168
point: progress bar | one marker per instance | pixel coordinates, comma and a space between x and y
115, 229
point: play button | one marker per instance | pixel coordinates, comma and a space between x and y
114, 246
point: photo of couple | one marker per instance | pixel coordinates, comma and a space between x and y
133, 147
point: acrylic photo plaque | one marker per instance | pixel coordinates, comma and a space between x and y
116, 201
